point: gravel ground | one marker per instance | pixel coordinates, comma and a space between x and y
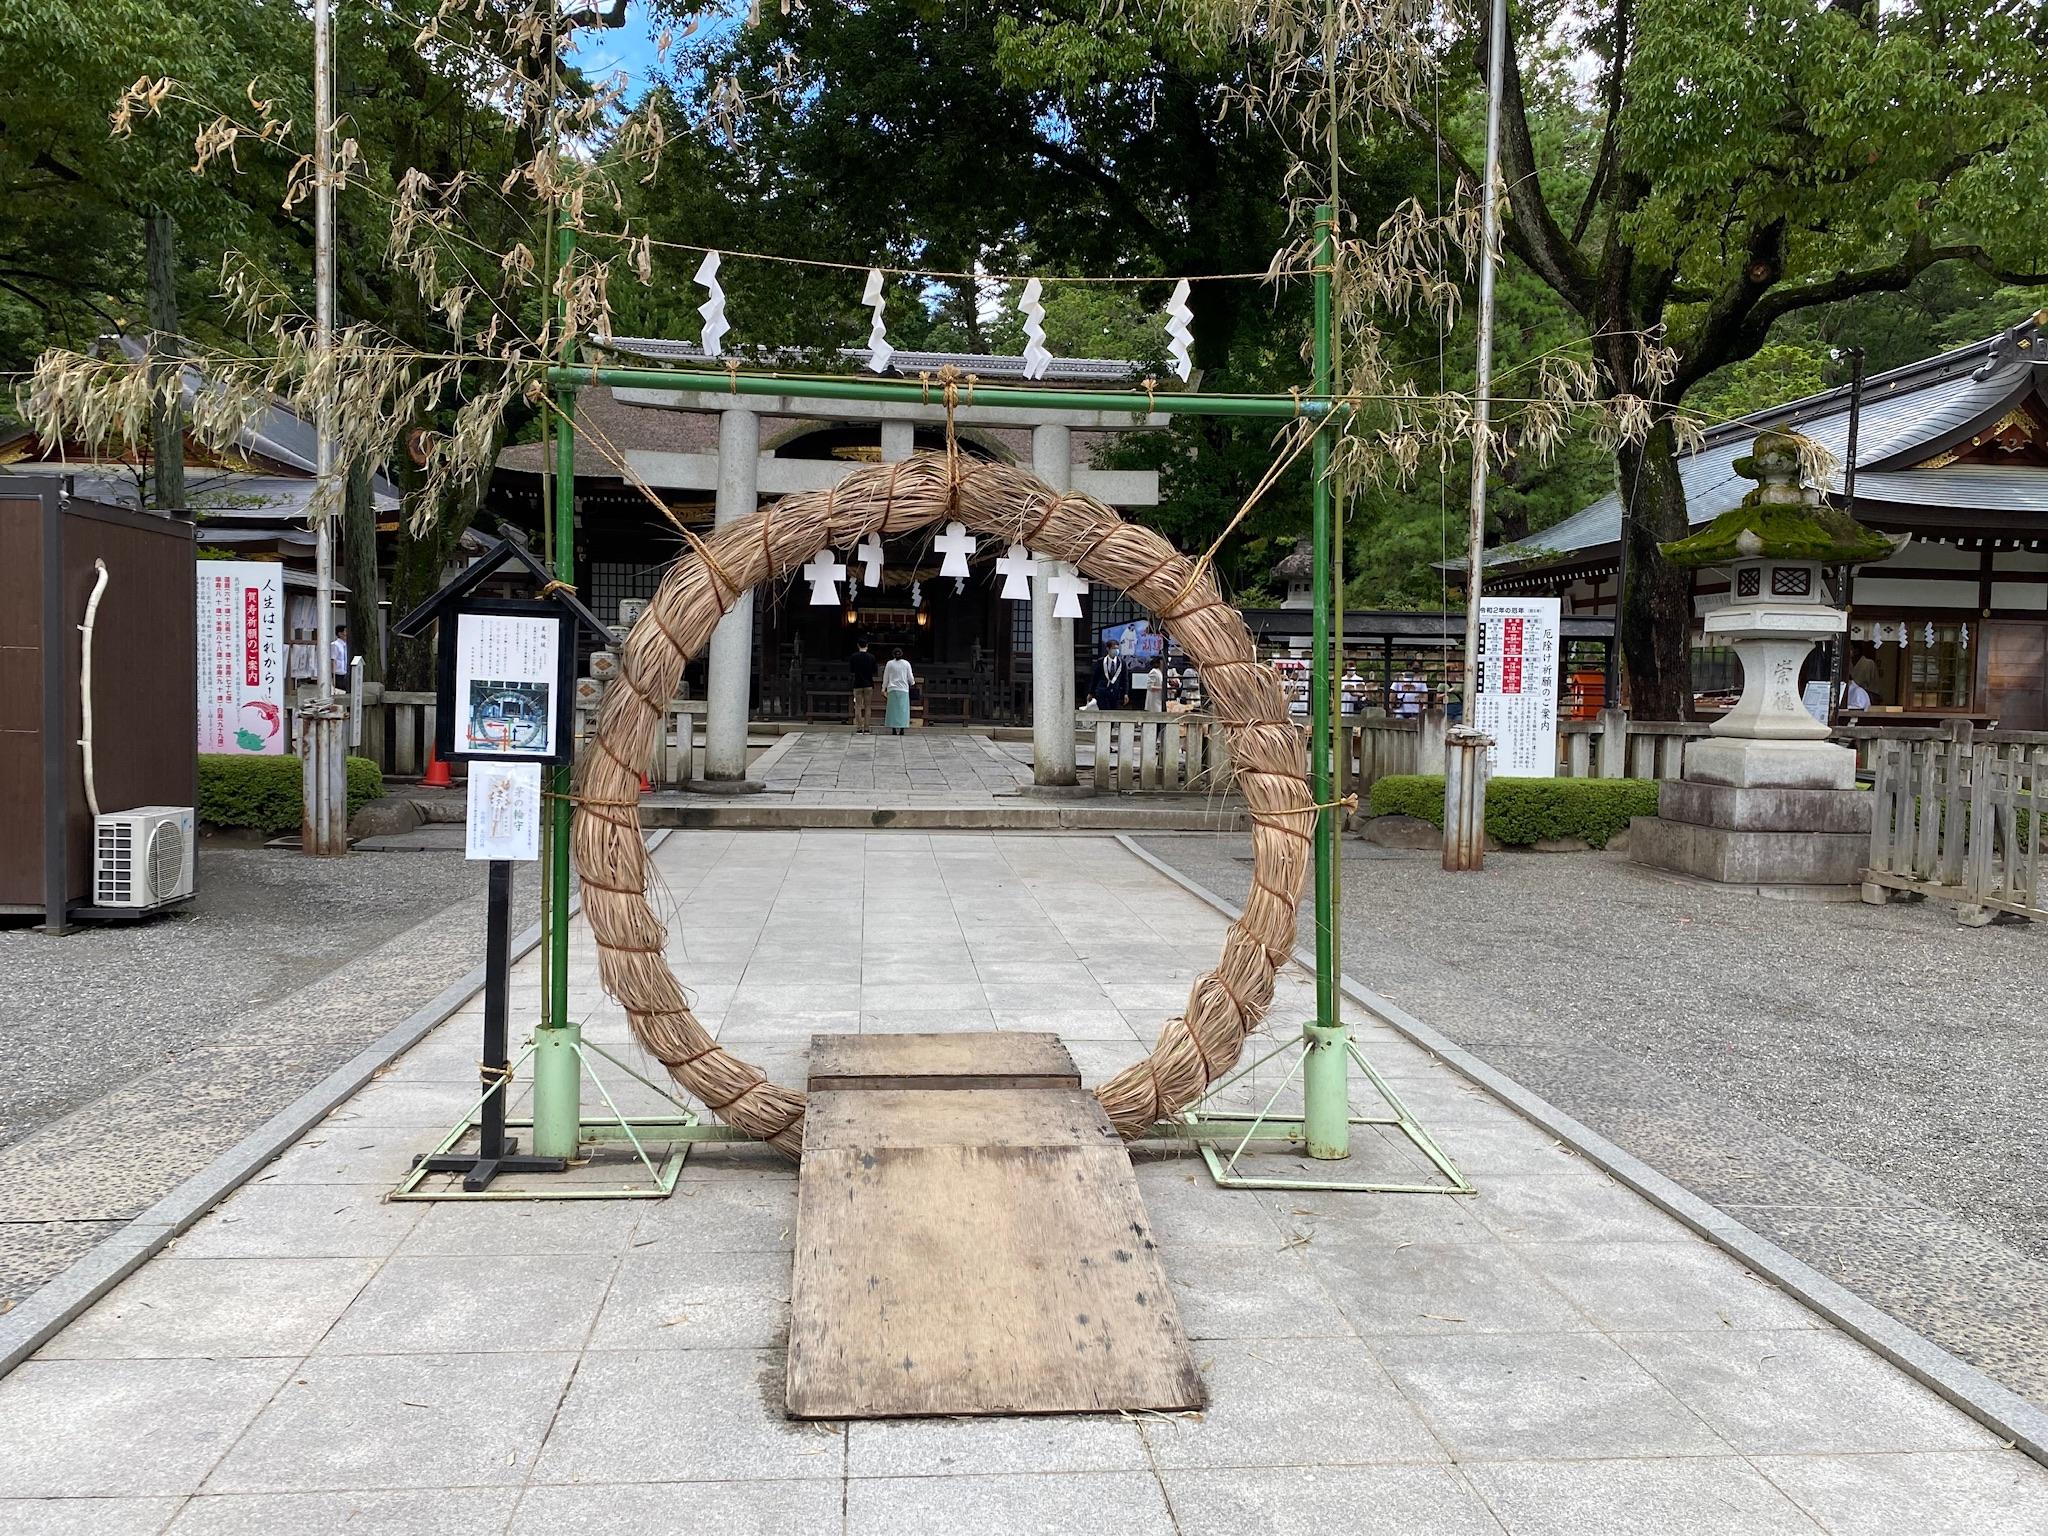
99, 1006
1864, 1084
140, 1052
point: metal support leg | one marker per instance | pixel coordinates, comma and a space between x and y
1326, 1091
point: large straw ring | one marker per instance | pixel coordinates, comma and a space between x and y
1001, 501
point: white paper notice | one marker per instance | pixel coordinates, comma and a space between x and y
504, 811
1518, 673
506, 670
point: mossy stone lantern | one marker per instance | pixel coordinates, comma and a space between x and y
1775, 546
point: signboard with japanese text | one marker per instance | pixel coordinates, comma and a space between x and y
241, 657
1519, 660
504, 811
507, 684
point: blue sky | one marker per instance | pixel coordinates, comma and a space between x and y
631, 47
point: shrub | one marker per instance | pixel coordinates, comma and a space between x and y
1524, 811
267, 792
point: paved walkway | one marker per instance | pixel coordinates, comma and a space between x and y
1862, 1085
1550, 1356
939, 767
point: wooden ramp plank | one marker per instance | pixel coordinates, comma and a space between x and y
1020, 1059
976, 1251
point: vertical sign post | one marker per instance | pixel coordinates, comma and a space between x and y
504, 827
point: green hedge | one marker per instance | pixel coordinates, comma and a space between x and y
268, 793
1524, 811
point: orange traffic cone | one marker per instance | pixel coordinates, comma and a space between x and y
436, 776
646, 784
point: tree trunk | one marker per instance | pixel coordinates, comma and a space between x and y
167, 422
1656, 617
359, 570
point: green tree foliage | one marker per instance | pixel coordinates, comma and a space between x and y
1780, 371
76, 196
1730, 167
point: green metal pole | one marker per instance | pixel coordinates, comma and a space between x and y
557, 1068
1325, 1079
913, 392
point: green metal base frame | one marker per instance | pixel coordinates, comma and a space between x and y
1210, 1128
678, 1133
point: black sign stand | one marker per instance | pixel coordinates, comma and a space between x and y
496, 1152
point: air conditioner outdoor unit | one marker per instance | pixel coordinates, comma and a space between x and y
143, 857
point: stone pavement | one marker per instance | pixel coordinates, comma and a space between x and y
1551, 1355
937, 766
1862, 1085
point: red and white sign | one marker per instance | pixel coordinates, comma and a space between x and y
1519, 655
241, 657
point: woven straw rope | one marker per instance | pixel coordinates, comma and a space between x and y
1009, 504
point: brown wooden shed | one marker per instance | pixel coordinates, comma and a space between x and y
145, 688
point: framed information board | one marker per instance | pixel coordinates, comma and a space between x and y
506, 674
1519, 661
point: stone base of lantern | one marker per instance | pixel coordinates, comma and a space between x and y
1781, 816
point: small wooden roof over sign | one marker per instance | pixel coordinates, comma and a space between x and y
509, 551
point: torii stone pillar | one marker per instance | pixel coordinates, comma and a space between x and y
1052, 640
729, 673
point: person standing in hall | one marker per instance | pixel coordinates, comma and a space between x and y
896, 685
1155, 688
861, 664
339, 656
1110, 683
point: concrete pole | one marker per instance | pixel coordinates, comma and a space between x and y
323, 739
1052, 640
732, 643
1464, 784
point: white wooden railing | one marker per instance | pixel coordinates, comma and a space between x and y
398, 729
1139, 751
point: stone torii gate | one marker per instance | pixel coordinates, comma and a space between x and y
740, 475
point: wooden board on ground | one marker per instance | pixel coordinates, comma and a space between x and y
1019, 1059
976, 1251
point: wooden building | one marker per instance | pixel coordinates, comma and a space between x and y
1952, 450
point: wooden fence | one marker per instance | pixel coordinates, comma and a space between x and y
1137, 751
398, 730
1955, 818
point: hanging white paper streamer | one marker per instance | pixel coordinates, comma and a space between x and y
1036, 358
824, 574
879, 350
1068, 588
956, 544
713, 308
869, 553
1180, 330
917, 594
1014, 566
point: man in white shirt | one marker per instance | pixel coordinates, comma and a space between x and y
340, 656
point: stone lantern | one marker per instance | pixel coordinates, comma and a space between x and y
1766, 799
1295, 575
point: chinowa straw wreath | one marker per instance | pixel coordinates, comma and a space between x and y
1010, 504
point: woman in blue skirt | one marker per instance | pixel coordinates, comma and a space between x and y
896, 684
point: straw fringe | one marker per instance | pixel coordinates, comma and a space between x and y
1004, 502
